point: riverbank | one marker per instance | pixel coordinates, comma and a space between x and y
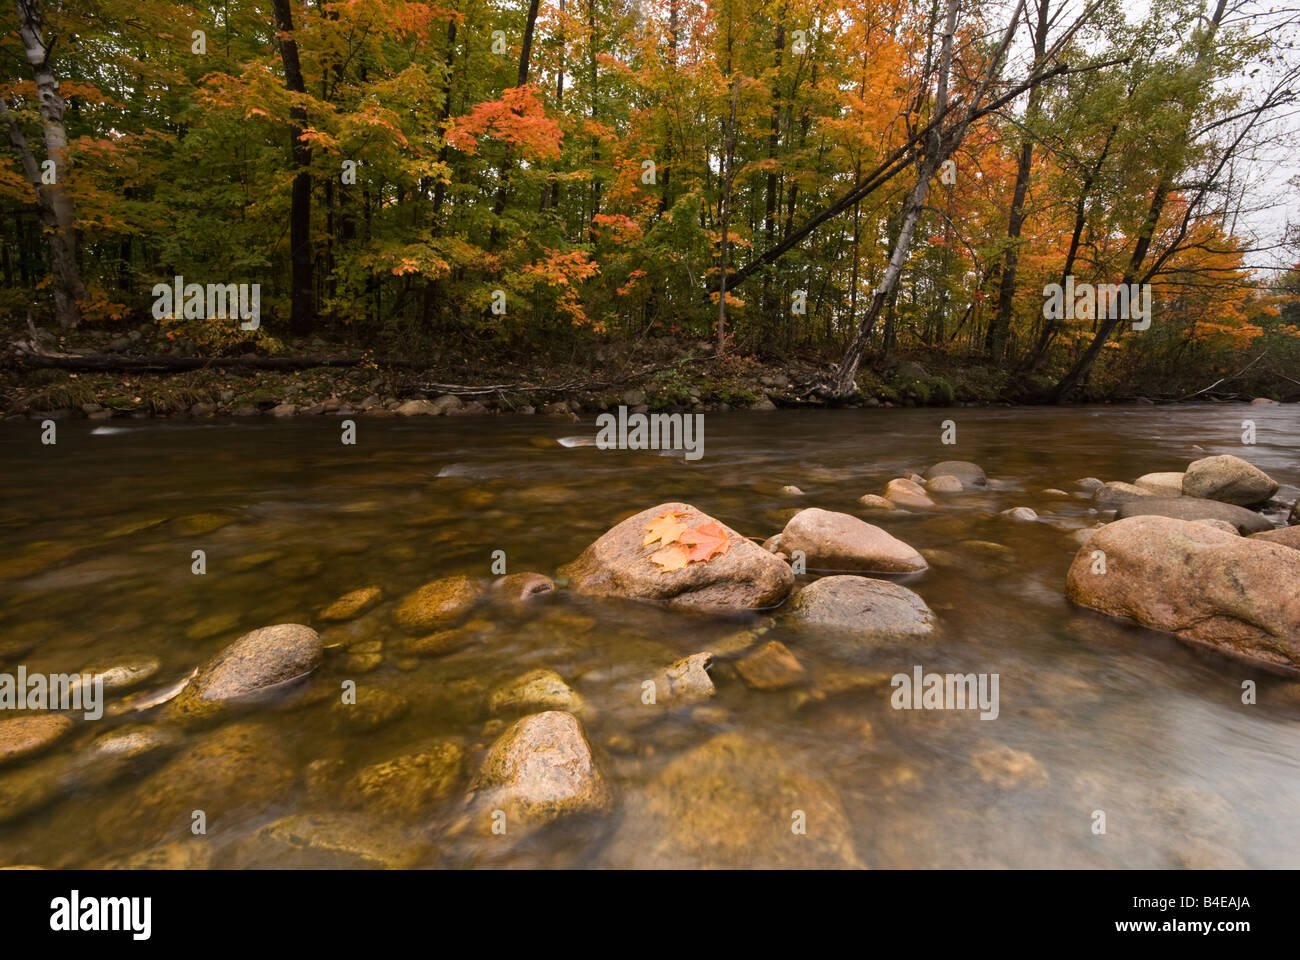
103, 375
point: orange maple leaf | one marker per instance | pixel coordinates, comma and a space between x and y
665, 528
707, 541
670, 558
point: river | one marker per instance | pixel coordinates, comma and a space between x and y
97, 540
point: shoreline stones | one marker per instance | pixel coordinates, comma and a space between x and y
1238, 595
839, 541
255, 663
1228, 479
618, 565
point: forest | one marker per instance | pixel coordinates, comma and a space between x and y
480, 185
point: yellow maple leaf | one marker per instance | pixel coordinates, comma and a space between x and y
665, 528
670, 558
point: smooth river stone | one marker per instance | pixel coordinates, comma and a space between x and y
839, 541
1228, 479
970, 474
869, 609
257, 661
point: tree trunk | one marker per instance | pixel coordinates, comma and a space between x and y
300, 252
1164, 186
58, 216
728, 175
1000, 326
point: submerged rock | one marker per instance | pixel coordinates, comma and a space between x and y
944, 483
838, 541
308, 841
1020, 514
732, 803
124, 674
874, 502
374, 707
1194, 508
871, 610
970, 474
770, 667
1008, 768
618, 564
534, 691
352, 604
228, 773
255, 663
686, 680
438, 603
523, 586
1228, 479
412, 785
1239, 595
29, 735
539, 770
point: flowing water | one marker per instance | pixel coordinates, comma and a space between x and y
97, 535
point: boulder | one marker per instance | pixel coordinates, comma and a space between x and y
618, 565
905, 493
970, 474
438, 603
870, 609
839, 541
1228, 479
539, 770
255, 663
730, 803
1239, 595
1194, 508
874, 502
1161, 484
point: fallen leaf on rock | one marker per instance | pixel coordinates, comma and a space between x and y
671, 557
707, 541
665, 528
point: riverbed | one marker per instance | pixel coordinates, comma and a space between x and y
97, 541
